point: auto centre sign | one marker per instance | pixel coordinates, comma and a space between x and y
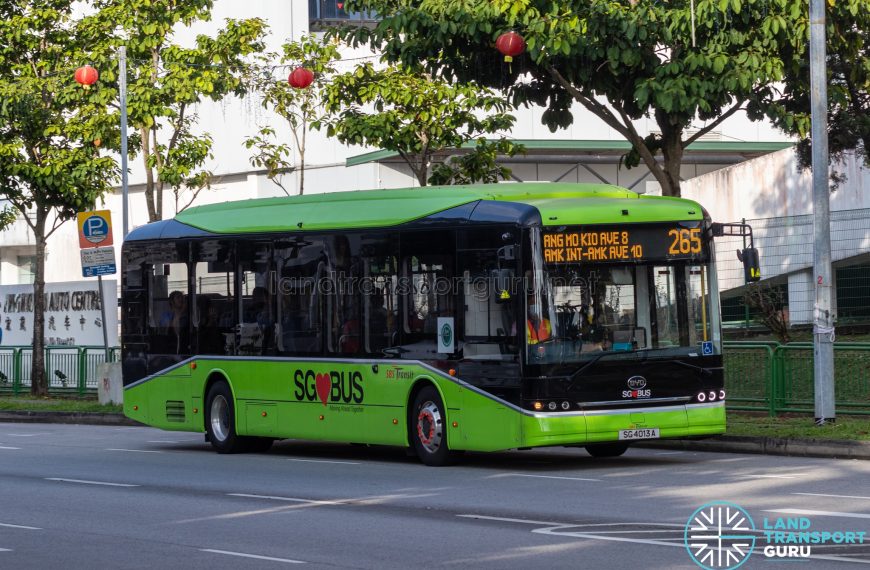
72, 314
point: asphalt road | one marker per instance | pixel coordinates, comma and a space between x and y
109, 497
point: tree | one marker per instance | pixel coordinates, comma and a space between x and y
166, 81
51, 132
848, 67
299, 107
622, 61
418, 116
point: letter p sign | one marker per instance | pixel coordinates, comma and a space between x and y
95, 229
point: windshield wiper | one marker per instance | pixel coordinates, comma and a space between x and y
575, 376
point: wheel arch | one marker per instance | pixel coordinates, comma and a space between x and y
215, 376
419, 383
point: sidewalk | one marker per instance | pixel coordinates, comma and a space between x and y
796, 447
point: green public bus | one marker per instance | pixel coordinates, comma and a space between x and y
443, 319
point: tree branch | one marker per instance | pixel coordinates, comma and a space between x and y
716, 122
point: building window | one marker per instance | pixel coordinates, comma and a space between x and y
26, 269
325, 13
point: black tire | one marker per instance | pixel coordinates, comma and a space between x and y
427, 425
220, 420
606, 449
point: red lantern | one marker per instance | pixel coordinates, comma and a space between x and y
510, 44
300, 78
86, 75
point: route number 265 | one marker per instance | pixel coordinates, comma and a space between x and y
685, 241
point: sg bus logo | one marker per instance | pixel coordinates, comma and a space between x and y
720, 536
328, 387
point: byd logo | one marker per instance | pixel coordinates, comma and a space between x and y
328, 387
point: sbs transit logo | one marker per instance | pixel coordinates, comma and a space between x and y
720, 536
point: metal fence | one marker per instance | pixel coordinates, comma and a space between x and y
69, 369
779, 377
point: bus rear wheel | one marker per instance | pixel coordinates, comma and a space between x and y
427, 422
220, 424
606, 449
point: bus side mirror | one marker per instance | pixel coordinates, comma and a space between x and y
751, 264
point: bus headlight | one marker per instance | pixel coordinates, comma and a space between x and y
565, 405
702, 396
721, 394
712, 395
552, 406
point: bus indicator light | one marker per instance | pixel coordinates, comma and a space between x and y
135, 408
395, 421
452, 372
196, 410
538, 406
455, 424
263, 414
321, 416
193, 365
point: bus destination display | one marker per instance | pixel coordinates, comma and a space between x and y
575, 245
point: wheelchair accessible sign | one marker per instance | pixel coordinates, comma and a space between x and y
95, 240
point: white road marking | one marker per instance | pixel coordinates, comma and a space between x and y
323, 461
256, 556
133, 450
835, 496
7, 447
286, 499
172, 441
819, 513
728, 460
7, 525
670, 452
505, 519
772, 476
86, 482
25, 434
5, 550
546, 477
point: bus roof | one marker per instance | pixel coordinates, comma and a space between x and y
557, 203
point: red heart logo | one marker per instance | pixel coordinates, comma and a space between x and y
323, 385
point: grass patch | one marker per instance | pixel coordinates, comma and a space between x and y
56, 404
790, 426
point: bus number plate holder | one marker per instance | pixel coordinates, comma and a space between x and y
644, 433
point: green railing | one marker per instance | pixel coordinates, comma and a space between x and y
69, 369
779, 377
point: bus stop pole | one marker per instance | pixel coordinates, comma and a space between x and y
823, 317
103, 316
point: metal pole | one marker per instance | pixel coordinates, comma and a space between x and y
823, 317
122, 83
103, 316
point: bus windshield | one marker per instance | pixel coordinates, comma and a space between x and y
576, 312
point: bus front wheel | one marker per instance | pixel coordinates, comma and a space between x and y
428, 425
606, 449
220, 423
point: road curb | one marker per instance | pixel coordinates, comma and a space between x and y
828, 448
88, 418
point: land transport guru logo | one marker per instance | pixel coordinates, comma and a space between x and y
722, 536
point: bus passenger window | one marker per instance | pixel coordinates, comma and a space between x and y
214, 317
301, 279
169, 315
